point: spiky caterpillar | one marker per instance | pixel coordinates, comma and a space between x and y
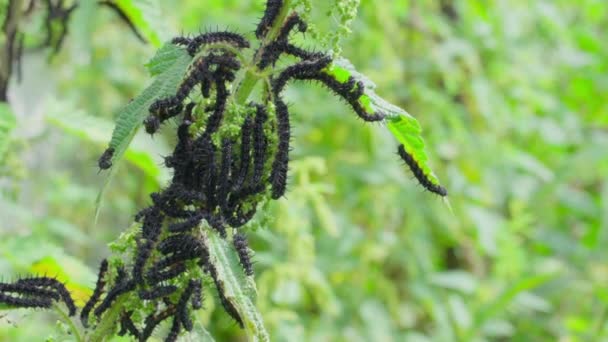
122, 285
26, 302
273, 8
280, 165
177, 243
182, 306
197, 294
422, 178
105, 161
280, 45
97, 292
278, 176
302, 70
245, 153
242, 248
157, 292
176, 328
207, 38
166, 108
27, 296
221, 98
350, 91
158, 274
228, 306
55, 285
151, 230
186, 225
154, 319
127, 325
28, 290
236, 217
223, 174
260, 144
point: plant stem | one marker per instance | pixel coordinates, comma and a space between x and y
251, 78
70, 323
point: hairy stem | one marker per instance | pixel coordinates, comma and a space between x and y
252, 77
69, 322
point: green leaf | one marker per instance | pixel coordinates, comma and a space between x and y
198, 334
95, 130
404, 127
503, 300
163, 60
7, 124
239, 289
141, 14
131, 116
166, 84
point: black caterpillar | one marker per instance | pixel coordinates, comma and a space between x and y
105, 161
273, 7
36, 292
242, 248
97, 292
422, 178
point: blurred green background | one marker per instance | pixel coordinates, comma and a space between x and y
513, 99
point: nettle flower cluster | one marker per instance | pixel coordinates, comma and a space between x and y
228, 159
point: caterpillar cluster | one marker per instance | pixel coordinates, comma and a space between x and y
227, 159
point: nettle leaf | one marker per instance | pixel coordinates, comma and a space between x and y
130, 118
164, 58
238, 288
7, 124
199, 334
132, 115
140, 153
404, 127
141, 14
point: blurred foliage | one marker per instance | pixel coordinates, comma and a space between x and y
512, 99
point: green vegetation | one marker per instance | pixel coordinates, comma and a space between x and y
511, 98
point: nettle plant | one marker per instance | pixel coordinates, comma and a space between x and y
231, 155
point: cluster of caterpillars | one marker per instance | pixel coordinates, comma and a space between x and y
219, 178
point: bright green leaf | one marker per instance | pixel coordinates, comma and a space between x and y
400, 123
140, 13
